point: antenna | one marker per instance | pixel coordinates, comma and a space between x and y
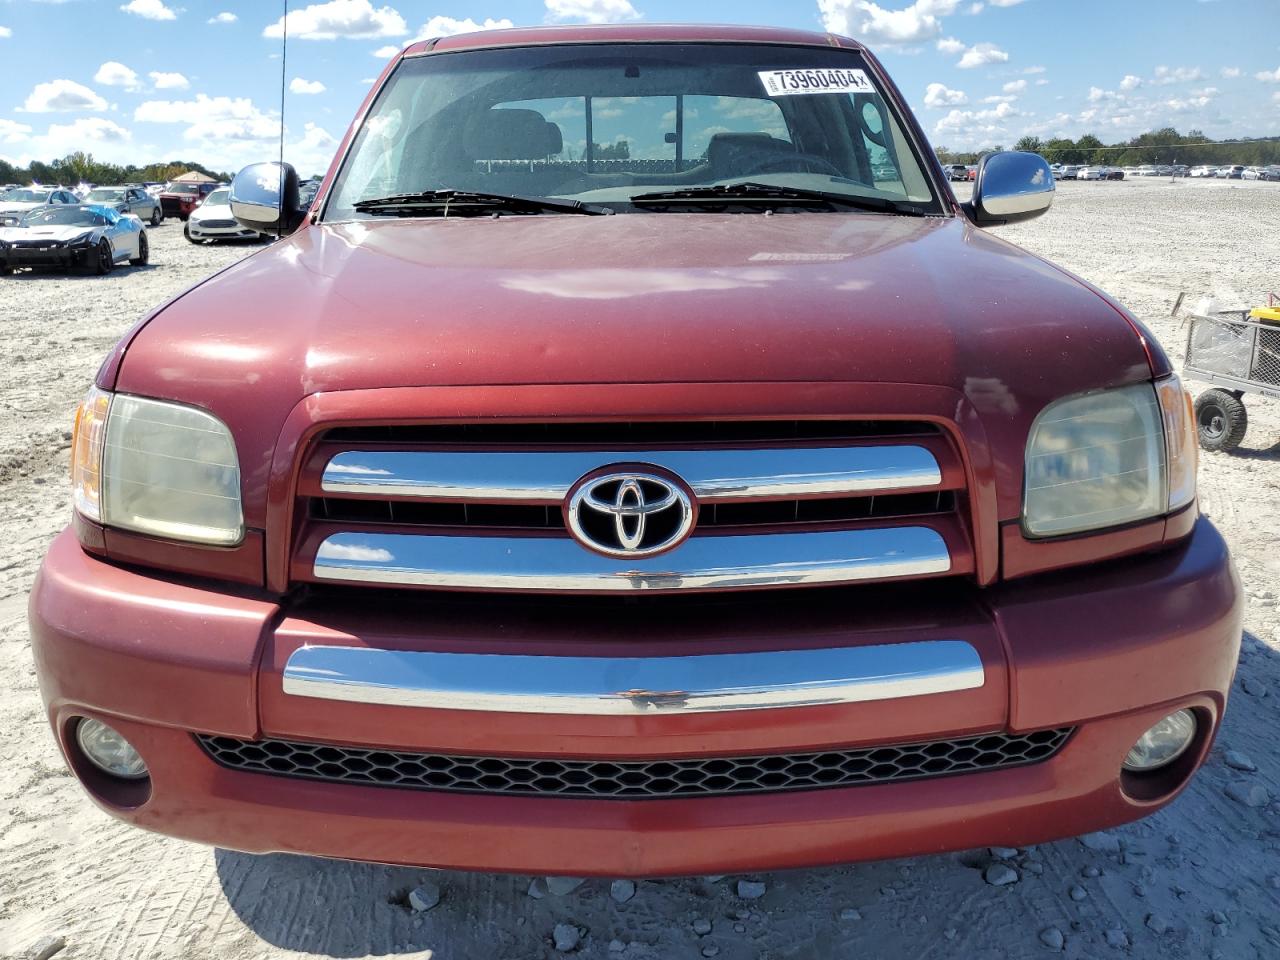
284, 60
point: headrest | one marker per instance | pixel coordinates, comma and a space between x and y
726, 148
511, 135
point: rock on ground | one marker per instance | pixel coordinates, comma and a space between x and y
566, 937
622, 890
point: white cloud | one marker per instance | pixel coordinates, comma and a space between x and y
1230, 73
1268, 76
594, 11
340, 18
940, 95
999, 98
950, 45
149, 10
1014, 86
975, 9
212, 118
62, 95
1130, 82
5, 32
1031, 70
1004, 3
387, 52
168, 81
1042, 82
869, 21
448, 26
305, 87
224, 17
981, 122
114, 74
980, 54
97, 129
11, 131
1177, 74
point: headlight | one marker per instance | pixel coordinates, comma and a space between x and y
158, 468
80, 241
1109, 458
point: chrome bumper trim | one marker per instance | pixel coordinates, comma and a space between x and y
612, 686
715, 474
701, 563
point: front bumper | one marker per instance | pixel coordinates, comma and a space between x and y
199, 231
61, 256
1108, 650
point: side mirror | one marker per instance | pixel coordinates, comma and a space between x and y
1010, 187
264, 197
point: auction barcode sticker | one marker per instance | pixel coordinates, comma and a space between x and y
789, 83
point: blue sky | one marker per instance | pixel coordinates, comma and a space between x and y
144, 80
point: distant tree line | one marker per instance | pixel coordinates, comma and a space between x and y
82, 167
1158, 146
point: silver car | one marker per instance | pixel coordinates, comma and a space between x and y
18, 203
133, 200
85, 236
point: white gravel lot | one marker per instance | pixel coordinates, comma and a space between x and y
1200, 879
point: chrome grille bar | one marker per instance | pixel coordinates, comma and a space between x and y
713, 474
700, 563
610, 686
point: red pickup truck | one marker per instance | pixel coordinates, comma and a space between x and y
636, 462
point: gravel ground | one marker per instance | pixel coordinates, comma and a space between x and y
1200, 879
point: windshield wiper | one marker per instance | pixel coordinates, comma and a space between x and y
771, 195
471, 203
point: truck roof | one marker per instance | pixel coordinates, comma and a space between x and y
630, 33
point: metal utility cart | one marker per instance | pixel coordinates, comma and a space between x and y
1239, 352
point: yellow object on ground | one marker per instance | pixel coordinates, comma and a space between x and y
1266, 314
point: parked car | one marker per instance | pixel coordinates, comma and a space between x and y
133, 200
81, 236
17, 203
1271, 173
1251, 173
1114, 173
1089, 173
179, 199
1202, 171
956, 171
1147, 170
212, 221
512, 515
1069, 172
1234, 172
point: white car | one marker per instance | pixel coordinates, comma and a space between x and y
212, 220
1252, 173
1091, 173
17, 203
85, 236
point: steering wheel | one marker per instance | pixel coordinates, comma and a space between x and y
794, 162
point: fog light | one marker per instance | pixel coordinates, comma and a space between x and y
109, 751
1163, 743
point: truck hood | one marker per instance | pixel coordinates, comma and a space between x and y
642, 299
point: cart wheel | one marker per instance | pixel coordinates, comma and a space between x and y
1221, 420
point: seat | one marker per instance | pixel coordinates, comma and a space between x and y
738, 154
510, 134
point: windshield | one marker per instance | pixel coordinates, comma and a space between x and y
602, 123
27, 196
182, 188
65, 216
106, 193
218, 196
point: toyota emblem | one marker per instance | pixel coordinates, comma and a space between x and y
622, 513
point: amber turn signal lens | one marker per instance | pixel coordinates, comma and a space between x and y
1180, 441
86, 453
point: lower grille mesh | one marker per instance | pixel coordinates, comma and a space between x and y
634, 779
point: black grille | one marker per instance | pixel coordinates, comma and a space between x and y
722, 515
216, 224
635, 779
